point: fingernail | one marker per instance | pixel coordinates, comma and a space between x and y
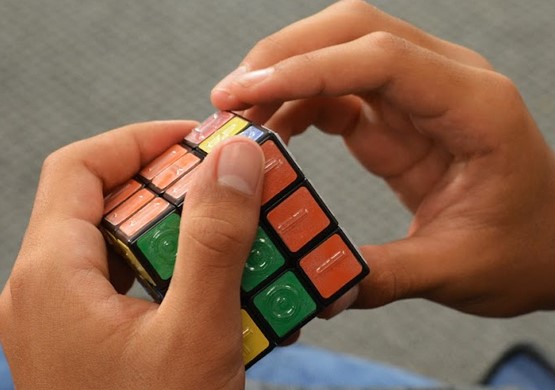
240, 166
223, 85
251, 78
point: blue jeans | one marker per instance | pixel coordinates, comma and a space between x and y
311, 367
5, 377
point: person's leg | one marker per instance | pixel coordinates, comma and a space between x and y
5, 376
310, 367
524, 366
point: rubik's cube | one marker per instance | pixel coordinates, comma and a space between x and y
301, 259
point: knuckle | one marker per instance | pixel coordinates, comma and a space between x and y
51, 161
506, 86
392, 49
388, 280
396, 280
394, 286
268, 46
507, 96
56, 159
467, 56
478, 60
510, 100
357, 13
355, 5
18, 288
386, 41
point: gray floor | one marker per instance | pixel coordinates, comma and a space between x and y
72, 69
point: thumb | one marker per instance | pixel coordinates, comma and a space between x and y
218, 227
408, 268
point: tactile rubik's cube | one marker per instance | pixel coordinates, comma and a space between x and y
300, 261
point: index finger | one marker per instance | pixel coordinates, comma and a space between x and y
436, 94
345, 21
338, 24
75, 178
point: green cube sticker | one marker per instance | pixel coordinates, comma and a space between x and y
285, 304
159, 245
264, 259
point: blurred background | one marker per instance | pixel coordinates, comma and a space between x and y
69, 70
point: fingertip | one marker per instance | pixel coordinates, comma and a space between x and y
240, 166
223, 100
221, 95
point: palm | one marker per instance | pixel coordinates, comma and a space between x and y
390, 147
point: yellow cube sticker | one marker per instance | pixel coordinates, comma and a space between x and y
128, 255
254, 341
231, 128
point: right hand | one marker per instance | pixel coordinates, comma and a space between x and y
452, 138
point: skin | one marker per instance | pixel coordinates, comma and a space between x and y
450, 136
63, 323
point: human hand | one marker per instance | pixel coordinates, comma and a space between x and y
63, 323
451, 137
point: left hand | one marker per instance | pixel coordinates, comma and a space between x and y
63, 321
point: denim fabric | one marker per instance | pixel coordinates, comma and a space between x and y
524, 371
5, 377
309, 367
